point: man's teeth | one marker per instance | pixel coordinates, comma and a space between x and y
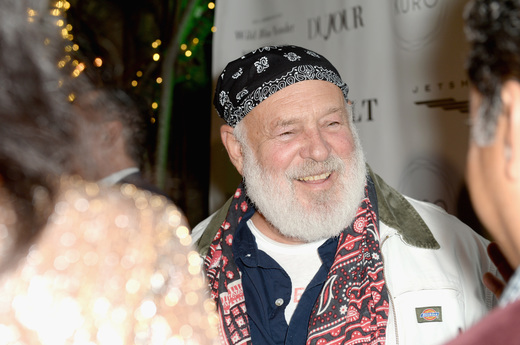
315, 177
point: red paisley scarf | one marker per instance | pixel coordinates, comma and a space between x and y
352, 307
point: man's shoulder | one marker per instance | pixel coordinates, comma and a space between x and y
437, 218
137, 179
412, 217
427, 207
204, 232
199, 229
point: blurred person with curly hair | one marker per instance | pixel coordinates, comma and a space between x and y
79, 263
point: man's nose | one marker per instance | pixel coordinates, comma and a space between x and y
315, 146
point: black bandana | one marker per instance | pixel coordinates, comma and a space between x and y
250, 79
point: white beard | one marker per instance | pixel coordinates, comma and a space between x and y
330, 212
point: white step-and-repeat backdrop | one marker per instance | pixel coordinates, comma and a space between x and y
404, 63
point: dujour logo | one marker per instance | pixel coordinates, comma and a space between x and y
324, 26
417, 22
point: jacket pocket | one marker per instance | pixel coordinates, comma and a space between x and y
428, 317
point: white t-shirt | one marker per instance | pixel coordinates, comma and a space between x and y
300, 262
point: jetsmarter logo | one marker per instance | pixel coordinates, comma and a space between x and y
429, 314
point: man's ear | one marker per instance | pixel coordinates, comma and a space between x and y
233, 147
112, 132
511, 109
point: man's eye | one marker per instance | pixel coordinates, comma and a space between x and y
286, 133
333, 124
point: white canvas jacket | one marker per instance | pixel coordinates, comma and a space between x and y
439, 278
433, 266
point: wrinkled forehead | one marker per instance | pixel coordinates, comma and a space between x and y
299, 106
252, 78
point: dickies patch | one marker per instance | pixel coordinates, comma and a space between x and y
428, 314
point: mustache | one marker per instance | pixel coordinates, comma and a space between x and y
311, 167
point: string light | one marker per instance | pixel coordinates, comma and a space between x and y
79, 68
61, 6
156, 43
31, 13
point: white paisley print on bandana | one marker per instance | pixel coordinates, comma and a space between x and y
311, 53
237, 74
262, 65
292, 57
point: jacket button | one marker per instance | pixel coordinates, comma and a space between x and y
279, 302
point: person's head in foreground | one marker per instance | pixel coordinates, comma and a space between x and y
79, 263
493, 166
36, 128
290, 134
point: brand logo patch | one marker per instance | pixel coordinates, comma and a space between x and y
428, 314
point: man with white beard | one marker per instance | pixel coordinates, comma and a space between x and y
314, 248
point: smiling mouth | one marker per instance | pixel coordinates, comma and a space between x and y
323, 176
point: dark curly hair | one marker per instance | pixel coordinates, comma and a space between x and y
493, 31
36, 126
